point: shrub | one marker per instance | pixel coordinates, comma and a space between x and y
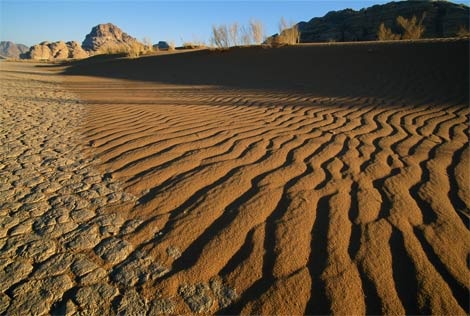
220, 37
134, 49
413, 29
233, 34
463, 32
288, 33
256, 31
245, 36
193, 45
224, 36
386, 34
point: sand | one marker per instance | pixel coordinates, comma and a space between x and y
314, 179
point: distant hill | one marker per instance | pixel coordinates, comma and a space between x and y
11, 50
443, 19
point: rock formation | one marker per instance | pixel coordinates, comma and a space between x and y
442, 19
162, 45
56, 50
106, 35
11, 50
102, 35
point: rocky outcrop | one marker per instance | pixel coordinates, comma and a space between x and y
162, 45
76, 51
442, 19
106, 35
101, 36
11, 50
56, 50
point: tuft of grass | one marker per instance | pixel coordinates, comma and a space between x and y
413, 28
133, 50
224, 36
289, 33
386, 34
463, 32
256, 31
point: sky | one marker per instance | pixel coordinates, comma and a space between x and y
32, 21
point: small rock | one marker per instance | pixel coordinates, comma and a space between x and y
173, 252
36, 297
224, 294
38, 250
162, 306
82, 265
81, 215
14, 273
93, 277
132, 304
4, 303
137, 269
85, 238
55, 265
113, 250
197, 297
95, 299
130, 226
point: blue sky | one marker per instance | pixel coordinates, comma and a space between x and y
33, 21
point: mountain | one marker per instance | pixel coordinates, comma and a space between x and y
442, 19
106, 35
12, 50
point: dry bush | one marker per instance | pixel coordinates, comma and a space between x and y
113, 49
413, 29
148, 47
288, 33
463, 32
220, 36
245, 36
134, 49
224, 36
256, 31
233, 34
193, 45
386, 34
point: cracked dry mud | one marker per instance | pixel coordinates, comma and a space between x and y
60, 233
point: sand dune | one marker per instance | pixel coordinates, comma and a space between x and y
301, 180
310, 180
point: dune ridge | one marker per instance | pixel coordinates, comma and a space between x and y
297, 201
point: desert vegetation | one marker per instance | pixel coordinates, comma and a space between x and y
288, 32
463, 31
135, 49
412, 29
224, 36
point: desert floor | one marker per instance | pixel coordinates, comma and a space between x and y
313, 179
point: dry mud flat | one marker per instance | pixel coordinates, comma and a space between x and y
242, 200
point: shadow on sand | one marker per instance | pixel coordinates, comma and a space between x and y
421, 71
